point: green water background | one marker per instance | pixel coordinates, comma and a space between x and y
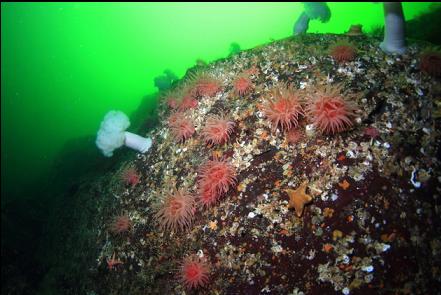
64, 65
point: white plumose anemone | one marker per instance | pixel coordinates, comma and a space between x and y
112, 135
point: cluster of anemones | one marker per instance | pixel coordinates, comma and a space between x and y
216, 177
185, 96
325, 107
203, 84
217, 129
284, 108
177, 211
181, 100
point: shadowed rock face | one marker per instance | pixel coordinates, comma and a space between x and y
427, 26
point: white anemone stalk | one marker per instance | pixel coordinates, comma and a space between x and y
136, 142
394, 32
302, 24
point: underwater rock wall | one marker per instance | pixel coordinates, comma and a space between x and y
282, 193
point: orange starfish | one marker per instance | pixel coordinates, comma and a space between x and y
298, 198
212, 225
344, 184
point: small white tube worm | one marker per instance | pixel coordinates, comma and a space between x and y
394, 28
